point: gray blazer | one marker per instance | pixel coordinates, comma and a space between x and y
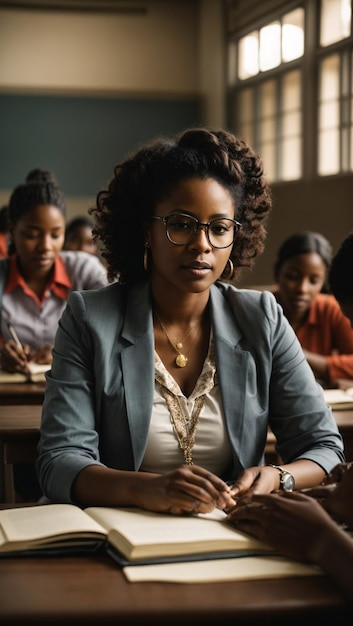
99, 393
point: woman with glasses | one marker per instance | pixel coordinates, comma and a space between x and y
164, 384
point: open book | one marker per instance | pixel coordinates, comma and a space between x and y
129, 535
339, 398
36, 374
148, 546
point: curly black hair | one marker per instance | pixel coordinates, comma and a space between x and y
148, 175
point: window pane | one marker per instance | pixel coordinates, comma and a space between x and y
336, 18
268, 98
329, 79
329, 152
268, 154
293, 35
270, 46
291, 124
248, 64
291, 159
291, 91
290, 143
329, 116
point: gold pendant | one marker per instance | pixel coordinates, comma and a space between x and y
181, 360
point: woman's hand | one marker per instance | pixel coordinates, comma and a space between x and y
255, 480
13, 358
188, 489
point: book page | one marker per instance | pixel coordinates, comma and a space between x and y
339, 397
32, 524
141, 534
221, 570
37, 374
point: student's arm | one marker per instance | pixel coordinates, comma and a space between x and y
298, 526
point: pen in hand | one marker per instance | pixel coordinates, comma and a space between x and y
14, 336
18, 344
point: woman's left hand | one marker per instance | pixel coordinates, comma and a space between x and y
255, 480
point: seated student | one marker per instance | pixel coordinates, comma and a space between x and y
37, 277
163, 385
78, 235
35, 282
325, 334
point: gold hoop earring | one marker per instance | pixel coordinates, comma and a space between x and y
229, 271
145, 258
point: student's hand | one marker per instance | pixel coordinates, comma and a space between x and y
339, 502
291, 522
337, 473
186, 490
13, 358
42, 355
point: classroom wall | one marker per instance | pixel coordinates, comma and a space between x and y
79, 90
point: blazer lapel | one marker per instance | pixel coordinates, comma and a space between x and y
137, 361
232, 364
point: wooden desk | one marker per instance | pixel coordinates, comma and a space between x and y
93, 590
21, 393
19, 435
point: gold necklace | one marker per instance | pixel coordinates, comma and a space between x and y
181, 359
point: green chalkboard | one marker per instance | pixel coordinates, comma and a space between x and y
81, 138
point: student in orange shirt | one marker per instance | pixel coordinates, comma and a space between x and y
301, 270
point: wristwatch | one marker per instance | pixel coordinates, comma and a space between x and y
286, 481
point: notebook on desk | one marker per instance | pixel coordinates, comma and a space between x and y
36, 375
339, 398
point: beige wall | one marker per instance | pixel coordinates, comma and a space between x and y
175, 48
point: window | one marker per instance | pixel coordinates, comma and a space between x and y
268, 113
286, 97
335, 130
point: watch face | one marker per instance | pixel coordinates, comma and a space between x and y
287, 482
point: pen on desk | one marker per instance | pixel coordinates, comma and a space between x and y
14, 335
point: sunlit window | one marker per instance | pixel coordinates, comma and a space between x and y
295, 105
278, 42
336, 18
328, 153
290, 142
270, 46
293, 35
248, 56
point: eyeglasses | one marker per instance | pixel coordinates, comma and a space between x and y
181, 229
